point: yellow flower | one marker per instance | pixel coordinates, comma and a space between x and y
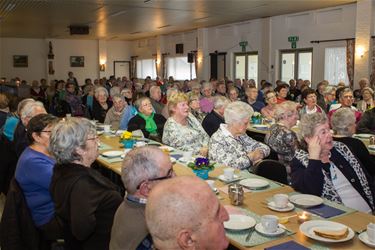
126, 135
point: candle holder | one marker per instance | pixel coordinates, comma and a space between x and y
303, 216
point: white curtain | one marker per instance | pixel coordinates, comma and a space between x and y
335, 69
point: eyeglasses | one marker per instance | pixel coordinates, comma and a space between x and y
348, 97
168, 176
270, 97
93, 138
46, 131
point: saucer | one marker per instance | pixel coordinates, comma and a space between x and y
222, 178
364, 238
280, 230
271, 205
185, 160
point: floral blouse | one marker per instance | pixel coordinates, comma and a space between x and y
230, 151
284, 142
186, 138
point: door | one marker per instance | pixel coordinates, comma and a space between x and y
218, 65
295, 64
246, 66
121, 68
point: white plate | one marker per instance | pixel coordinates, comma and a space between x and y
239, 222
307, 228
271, 205
186, 160
372, 147
99, 132
254, 183
305, 200
280, 230
363, 136
112, 154
364, 238
173, 160
167, 148
222, 178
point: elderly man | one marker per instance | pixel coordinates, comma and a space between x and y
28, 111
363, 82
346, 101
114, 114
155, 96
212, 121
142, 169
183, 213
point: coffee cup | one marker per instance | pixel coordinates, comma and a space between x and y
187, 155
107, 128
140, 144
281, 200
228, 173
211, 183
371, 232
269, 223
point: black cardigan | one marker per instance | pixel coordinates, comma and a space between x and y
98, 113
138, 122
211, 122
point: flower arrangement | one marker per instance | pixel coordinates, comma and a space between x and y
256, 118
126, 135
201, 163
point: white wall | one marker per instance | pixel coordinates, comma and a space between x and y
37, 50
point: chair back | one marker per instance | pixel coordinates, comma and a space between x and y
272, 170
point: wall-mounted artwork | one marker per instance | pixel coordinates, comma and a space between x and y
20, 61
77, 61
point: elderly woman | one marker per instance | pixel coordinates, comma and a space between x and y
309, 98
329, 94
345, 101
206, 102
282, 92
147, 120
368, 100
195, 108
101, 104
84, 200
233, 94
114, 114
343, 125
271, 100
281, 138
74, 101
128, 95
182, 130
212, 121
34, 172
328, 168
230, 145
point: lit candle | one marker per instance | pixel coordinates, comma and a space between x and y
304, 216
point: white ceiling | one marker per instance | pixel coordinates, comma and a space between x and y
135, 19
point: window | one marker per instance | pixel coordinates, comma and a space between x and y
246, 66
180, 69
146, 67
296, 64
335, 65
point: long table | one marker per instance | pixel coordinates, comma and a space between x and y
255, 203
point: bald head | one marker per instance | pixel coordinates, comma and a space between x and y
181, 212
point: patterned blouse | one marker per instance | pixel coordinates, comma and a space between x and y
284, 142
230, 151
186, 138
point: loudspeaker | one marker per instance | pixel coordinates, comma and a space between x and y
179, 48
79, 30
190, 57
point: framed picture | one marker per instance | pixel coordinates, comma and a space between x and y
77, 61
20, 61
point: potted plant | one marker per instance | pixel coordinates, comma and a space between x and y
201, 166
127, 139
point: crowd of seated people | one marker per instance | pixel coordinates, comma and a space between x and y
206, 118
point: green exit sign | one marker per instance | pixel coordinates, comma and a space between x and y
244, 43
293, 38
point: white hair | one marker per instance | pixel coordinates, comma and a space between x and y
237, 111
99, 90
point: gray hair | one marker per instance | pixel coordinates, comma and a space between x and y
206, 85
309, 122
285, 108
139, 165
154, 88
22, 104
139, 101
171, 91
101, 90
341, 120
220, 102
114, 91
29, 108
344, 91
328, 90
237, 111
69, 135
118, 96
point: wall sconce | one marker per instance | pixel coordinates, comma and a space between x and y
158, 62
360, 51
199, 59
102, 67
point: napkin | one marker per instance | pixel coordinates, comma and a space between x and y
176, 156
290, 245
325, 211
